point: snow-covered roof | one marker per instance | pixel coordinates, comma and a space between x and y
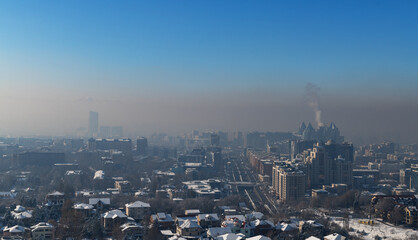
14, 229
177, 238
162, 217
94, 201
259, 237
312, 238
314, 223
209, 216
138, 204
192, 211
166, 232
19, 208
85, 206
22, 215
99, 174
239, 217
254, 215
42, 225
130, 225
230, 236
114, 214
262, 222
334, 236
285, 227
56, 193
189, 224
217, 231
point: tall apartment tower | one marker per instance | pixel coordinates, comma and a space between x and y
142, 146
93, 124
217, 160
319, 167
330, 163
214, 140
289, 183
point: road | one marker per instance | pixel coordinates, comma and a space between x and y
238, 171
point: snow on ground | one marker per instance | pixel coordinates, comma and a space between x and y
381, 229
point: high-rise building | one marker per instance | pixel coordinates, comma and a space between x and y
413, 177
341, 171
330, 163
214, 140
217, 160
288, 182
319, 167
405, 177
142, 146
298, 146
93, 124
345, 150
323, 133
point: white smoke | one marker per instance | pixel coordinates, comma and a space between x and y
311, 91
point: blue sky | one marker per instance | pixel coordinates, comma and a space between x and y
210, 44
54, 53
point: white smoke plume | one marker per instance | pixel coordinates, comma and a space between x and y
312, 95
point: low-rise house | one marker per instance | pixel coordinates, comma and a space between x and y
163, 221
137, 210
312, 227
55, 199
177, 238
288, 229
312, 238
42, 231
231, 236
15, 231
84, 208
192, 212
215, 232
20, 213
334, 236
123, 186
259, 237
100, 204
208, 220
7, 195
262, 227
237, 225
189, 228
254, 216
182, 218
112, 219
411, 215
132, 230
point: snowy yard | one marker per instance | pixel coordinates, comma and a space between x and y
382, 230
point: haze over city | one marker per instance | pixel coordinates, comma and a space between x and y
231, 66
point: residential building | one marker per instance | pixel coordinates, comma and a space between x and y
42, 231
113, 218
137, 210
55, 199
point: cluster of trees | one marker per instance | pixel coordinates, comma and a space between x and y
350, 199
388, 210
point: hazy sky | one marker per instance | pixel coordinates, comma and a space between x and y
231, 65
